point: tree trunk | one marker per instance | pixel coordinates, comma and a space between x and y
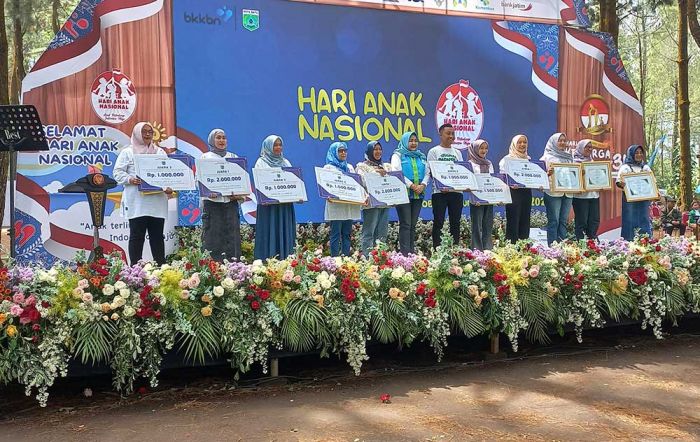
18, 72
55, 25
4, 99
693, 20
608, 18
686, 163
674, 135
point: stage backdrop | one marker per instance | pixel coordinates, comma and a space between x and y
310, 72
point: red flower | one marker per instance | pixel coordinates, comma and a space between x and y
420, 290
250, 297
658, 248
578, 286
638, 276
430, 302
264, 295
431, 293
202, 262
255, 305
36, 327
295, 263
188, 266
350, 296
156, 315
499, 277
385, 398
356, 284
142, 390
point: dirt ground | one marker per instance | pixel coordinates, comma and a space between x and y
634, 389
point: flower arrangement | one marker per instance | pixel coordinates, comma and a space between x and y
129, 316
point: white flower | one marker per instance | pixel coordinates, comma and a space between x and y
338, 261
148, 267
468, 268
325, 284
105, 318
83, 283
258, 280
87, 392
124, 293
118, 301
481, 272
625, 265
119, 285
228, 283
108, 290
87, 298
398, 273
115, 316
218, 291
129, 311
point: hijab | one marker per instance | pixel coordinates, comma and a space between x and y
579, 156
513, 151
211, 142
137, 143
268, 155
474, 157
552, 153
403, 149
332, 156
629, 159
369, 154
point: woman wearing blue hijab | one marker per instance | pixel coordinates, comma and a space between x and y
375, 221
340, 215
635, 215
413, 163
221, 220
276, 226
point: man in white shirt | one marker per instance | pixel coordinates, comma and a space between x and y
453, 201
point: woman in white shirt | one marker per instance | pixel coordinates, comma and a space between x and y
340, 215
146, 212
275, 224
517, 212
635, 216
558, 204
586, 204
481, 214
221, 221
375, 221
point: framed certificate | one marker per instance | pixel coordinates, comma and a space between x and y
523, 173
640, 186
456, 176
277, 185
223, 177
342, 187
492, 190
159, 172
597, 175
566, 177
386, 191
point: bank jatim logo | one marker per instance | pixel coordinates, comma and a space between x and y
460, 105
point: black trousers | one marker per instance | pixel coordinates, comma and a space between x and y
137, 236
518, 215
669, 229
586, 217
221, 230
453, 202
408, 218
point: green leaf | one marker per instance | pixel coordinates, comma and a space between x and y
93, 341
305, 326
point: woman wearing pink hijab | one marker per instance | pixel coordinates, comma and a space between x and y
146, 212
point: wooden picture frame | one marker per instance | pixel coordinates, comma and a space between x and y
640, 186
566, 177
592, 168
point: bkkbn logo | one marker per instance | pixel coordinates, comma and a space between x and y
202, 19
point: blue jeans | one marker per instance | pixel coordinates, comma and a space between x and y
340, 237
635, 219
375, 226
558, 209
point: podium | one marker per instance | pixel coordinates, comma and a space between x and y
20, 131
95, 187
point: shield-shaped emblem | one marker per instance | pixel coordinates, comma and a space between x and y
251, 19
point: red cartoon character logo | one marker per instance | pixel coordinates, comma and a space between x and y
113, 97
460, 105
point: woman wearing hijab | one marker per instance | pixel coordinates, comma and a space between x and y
517, 212
340, 215
146, 212
221, 221
481, 215
635, 216
375, 221
414, 165
558, 204
587, 204
276, 226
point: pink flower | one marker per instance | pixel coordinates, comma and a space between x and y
534, 271
18, 298
183, 283
194, 280
288, 276
87, 297
524, 273
297, 279
185, 294
456, 284
16, 310
30, 301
